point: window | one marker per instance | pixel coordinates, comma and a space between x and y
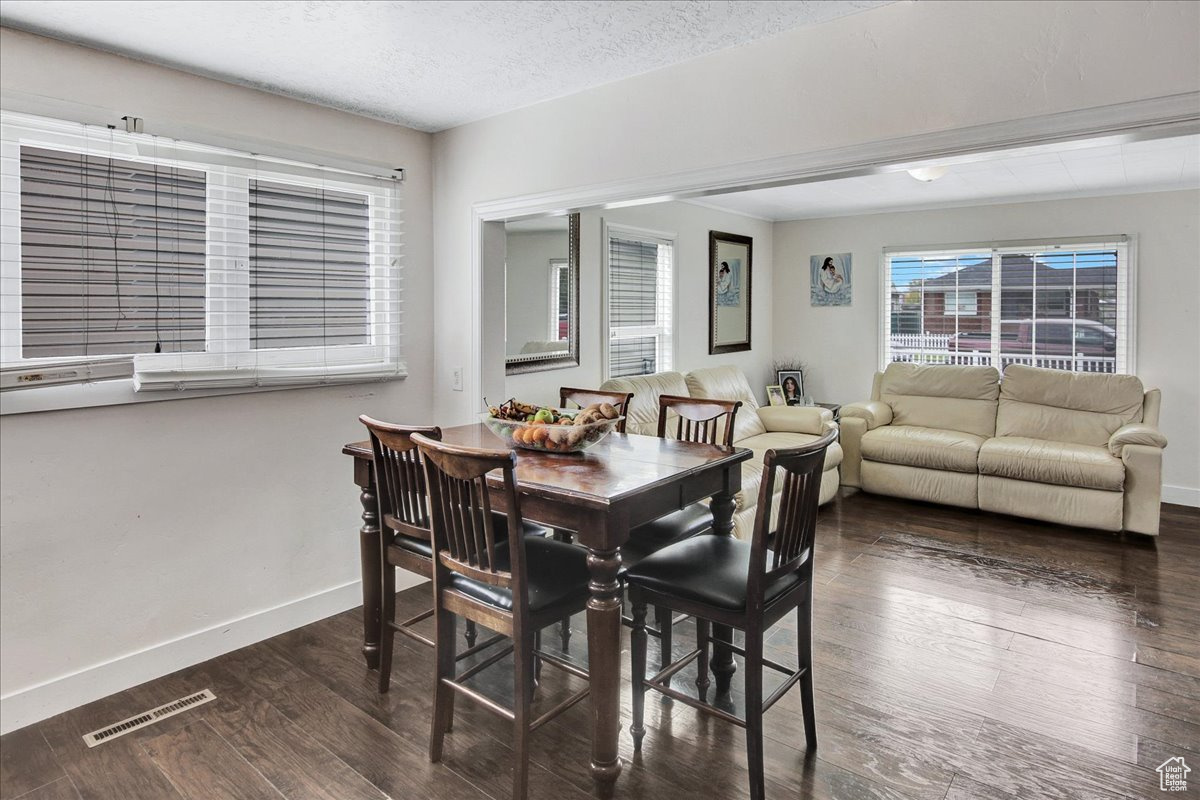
187, 266
560, 300
961, 303
1059, 304
638, 309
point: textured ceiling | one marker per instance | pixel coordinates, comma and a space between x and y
1069, 170
429, 65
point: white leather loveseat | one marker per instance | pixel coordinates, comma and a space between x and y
759, 429
1071, 448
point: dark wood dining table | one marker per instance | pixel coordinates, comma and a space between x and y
623, 481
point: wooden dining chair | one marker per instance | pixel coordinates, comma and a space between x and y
744, 585
585, 397
695, 419
515, 590
406, 540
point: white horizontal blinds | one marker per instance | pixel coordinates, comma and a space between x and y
560, 301
131, 254
1063, 309
112, 256
1051, 305
933, 299
639, 305
309, 266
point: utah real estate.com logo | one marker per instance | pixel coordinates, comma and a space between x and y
1172, 775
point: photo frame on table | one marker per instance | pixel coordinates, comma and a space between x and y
792, 382
775, 396
730, 258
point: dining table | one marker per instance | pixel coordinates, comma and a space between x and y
621, 482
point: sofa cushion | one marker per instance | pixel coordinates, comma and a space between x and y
955, 398
1059, 463
728, 383
781, 441
642, 416
931, 448
1066, 406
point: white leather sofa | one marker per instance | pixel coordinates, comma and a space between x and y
1071, 448
759, 429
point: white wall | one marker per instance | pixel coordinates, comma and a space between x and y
858, 79
527, 284
689, 224
841, 344
137, 539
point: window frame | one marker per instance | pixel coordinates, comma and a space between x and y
1125, 245
557, 267
228, 365
610, 230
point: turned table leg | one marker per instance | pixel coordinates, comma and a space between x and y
369, 559
722, 664
604, 664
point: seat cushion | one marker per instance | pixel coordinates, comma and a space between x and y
931, 448
424, 549
675, 527
1059, 463
712, 570
557, 576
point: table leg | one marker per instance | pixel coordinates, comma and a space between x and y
369, 559
723, 666
604, 665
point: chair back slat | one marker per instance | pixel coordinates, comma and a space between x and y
399, 477
789, 547
699, 419
464, 532
585, 397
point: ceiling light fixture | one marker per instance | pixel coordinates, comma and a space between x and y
928, 174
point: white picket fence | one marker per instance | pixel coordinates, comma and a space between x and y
933, 348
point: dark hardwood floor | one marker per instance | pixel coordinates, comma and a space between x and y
958, 656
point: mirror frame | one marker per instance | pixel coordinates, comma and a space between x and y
538, 362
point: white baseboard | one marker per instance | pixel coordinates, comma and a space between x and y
1181, 495
34, 703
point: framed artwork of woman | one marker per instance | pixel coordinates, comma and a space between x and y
792, 383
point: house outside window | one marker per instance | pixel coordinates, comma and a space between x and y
1059, 304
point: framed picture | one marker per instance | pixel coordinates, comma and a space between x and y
831, 279
775, 396
729, 260
793, 386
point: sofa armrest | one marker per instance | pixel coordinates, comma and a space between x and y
874, 412
796, 419
1143, 488
1135, 433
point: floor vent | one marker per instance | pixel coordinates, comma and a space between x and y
147, 718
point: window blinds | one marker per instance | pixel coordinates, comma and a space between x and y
309, 267
1057, 305
191, 266
639, 304
112, 256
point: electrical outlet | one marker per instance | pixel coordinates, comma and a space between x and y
456, 379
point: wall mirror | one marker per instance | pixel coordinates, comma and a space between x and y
541, 294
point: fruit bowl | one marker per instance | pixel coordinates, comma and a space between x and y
550, 438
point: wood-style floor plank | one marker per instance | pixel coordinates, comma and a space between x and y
26, 763
958, 655
203, 766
